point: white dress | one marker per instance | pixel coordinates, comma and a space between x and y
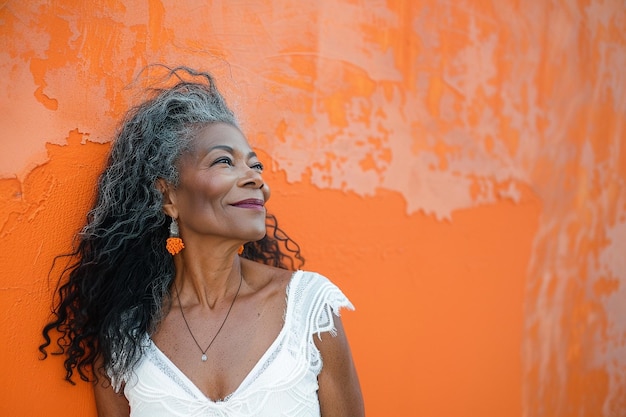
282, 383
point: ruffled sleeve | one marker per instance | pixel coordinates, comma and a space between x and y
317, 301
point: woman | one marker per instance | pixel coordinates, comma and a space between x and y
178, 304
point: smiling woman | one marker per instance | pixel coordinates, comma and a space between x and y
219, 323
220, 192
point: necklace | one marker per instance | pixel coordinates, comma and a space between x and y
204, 358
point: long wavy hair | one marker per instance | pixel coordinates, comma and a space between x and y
114, 288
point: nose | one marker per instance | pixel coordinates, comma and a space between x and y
252, 178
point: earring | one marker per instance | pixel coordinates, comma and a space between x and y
240, 250
174, 243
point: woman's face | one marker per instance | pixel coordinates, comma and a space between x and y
220, 192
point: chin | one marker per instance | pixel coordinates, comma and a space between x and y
260, 234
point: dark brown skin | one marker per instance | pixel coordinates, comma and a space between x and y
220, 171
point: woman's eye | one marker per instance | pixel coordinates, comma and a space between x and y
258, 166
222, 160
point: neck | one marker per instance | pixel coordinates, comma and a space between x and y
207, 280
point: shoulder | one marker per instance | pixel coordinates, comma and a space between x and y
315, 300
264, 278
319, 287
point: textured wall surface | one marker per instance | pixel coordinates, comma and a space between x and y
458, 168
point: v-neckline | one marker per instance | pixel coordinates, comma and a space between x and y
252, 371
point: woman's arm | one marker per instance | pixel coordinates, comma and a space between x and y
339, 390
108, 402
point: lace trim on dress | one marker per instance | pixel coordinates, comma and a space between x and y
330, 303
167, 370
316, 302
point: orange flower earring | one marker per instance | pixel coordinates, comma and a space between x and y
240, 250
174, 243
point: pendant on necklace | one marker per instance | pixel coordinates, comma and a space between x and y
203, 357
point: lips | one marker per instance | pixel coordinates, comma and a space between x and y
253, 203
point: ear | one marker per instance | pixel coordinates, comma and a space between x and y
169, 197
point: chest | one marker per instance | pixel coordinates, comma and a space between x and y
232, 345
281, 383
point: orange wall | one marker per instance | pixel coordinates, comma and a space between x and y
458, 168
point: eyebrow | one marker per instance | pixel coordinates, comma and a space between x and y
230, 150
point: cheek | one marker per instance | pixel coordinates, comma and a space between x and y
200, 194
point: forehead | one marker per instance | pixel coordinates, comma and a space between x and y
218, 134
